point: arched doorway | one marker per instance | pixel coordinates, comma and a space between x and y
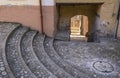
79, 27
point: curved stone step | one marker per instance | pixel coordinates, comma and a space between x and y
46, 60
14, 58
60, 54
31, 59
5, 29
60, 62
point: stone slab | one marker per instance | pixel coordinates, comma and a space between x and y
78, 38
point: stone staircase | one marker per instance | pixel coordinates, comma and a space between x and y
25, 53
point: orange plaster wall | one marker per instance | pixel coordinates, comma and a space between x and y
27, 15
48, 20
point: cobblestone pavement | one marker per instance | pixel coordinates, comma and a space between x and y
25, 53
102, 60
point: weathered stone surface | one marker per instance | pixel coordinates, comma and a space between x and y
5, 30
30, 57
83, 55
13, 54
41, 53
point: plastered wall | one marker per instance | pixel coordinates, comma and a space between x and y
26, 12
48, 10
108, 18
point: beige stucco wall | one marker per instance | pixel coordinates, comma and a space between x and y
107, 14
108, 17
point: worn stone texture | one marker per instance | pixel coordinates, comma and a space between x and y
5, 30
83, 56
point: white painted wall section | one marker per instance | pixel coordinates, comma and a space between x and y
19, 2
48, 2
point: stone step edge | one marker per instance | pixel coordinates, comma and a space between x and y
56, 63
37, 57
10, 74
25, 65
